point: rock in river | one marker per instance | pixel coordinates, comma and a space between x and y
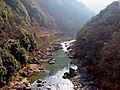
51, 62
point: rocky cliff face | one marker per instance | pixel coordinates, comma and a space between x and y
98, 47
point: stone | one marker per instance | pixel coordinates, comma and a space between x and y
39, 85
72, 72
39, 81
51, 62
66, 75
28, 88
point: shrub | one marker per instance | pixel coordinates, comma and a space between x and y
3, 73
8, 66
19, 53
22, 56
33, 43
9, 62
29, 43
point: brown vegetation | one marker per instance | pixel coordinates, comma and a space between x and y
98, 47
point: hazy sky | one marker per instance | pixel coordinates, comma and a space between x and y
97, 5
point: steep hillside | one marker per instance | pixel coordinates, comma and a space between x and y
98, 47
69, 15
29, 11
23, 37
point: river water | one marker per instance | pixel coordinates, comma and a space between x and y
55, 72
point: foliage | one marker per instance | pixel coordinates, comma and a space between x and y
18, 52
29, 43
34, 13
8, 66
16, 36
5, 13
17, 6
3, 73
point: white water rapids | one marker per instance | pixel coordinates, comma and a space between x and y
56, 82
66, 44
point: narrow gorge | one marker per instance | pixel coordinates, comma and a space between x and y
59, 45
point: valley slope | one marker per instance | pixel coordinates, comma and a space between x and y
98, 48
69, 15
28, 30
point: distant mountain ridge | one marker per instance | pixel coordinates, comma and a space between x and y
69, 15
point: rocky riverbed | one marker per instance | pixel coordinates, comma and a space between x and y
22, 80
78, 73
61, 73
55, 79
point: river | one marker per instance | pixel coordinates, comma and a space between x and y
53, 77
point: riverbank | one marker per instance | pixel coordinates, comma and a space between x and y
54, 79
49, 76
23, 78
79, 80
